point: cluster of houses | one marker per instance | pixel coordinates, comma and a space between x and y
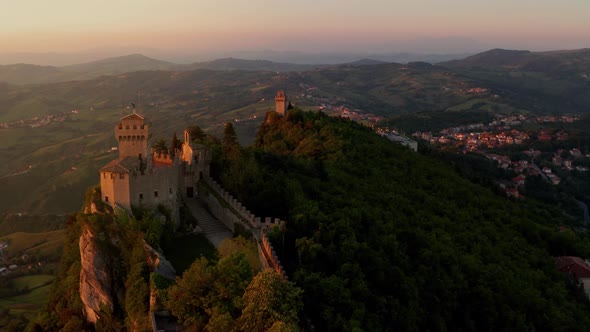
38, 121
568, 163
524, 168
358, 115
497, 133
474, 140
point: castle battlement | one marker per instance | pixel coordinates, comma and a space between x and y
142, 176
162, 158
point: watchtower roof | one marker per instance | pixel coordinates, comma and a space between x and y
132, 116
122, 165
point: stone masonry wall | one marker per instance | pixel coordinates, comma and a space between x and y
237, 213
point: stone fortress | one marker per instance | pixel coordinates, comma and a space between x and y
142, 177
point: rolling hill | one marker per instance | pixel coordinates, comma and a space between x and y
33, 74
558, 81
56, 136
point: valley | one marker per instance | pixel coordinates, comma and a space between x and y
487, 120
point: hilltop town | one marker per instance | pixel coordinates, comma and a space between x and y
525, 146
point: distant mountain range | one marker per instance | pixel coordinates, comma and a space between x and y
556, 62
558, 81
36, 74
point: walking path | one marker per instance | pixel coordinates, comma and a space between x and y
214, 229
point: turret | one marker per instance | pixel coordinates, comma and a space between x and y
281, 102
132, 135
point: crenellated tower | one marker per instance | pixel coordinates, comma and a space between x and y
132, 135
281, 102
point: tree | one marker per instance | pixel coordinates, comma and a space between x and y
187, 300
209, 296
160, 146
270, 302
230, 144
176, 143
197, 134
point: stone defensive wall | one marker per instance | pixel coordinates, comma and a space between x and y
231, 212
270, 257
237, 209
162, 157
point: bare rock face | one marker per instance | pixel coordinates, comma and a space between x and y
158, 262
95, 277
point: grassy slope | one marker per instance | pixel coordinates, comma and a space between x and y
27, 304
46, 243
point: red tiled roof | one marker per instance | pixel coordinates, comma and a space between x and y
573, 265
122, 165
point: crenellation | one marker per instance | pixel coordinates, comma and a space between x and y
142, 178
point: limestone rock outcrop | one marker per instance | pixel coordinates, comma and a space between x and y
95, 276
159, 263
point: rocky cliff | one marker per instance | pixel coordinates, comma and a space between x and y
96, 278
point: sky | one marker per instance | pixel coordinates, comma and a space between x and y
312, 26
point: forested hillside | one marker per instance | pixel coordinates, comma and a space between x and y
381, 238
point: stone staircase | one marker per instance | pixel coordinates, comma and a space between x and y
214, 229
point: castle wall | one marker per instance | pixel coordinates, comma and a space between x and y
159, 185
162, 158
233, 212
115, 186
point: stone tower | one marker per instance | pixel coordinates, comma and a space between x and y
132, 135
281, 102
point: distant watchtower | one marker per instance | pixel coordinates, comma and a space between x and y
281, 102
132, 135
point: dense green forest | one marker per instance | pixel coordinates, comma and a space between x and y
381, 238
377, 238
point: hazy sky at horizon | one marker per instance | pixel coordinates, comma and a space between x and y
304, 25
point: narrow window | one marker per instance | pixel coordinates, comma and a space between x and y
104, 175
155, 193
170, 190
106, 199
140, 196
112, 175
